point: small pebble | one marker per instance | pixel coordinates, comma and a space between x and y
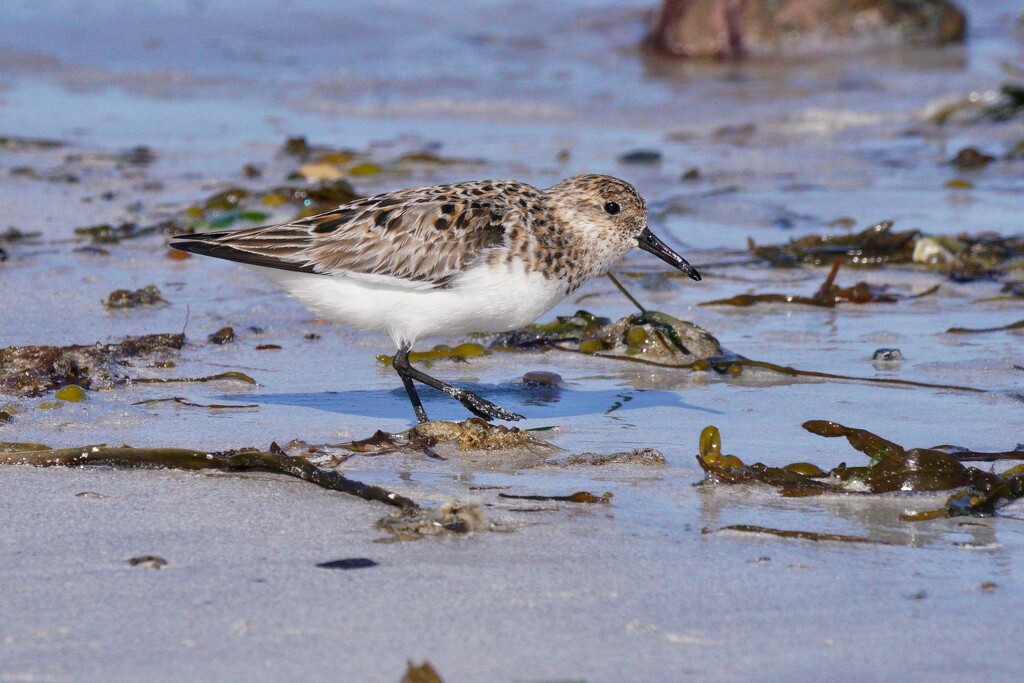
542, 378
887, 355
641, 156
349, 563
148, 562
139, 156
970, 158
224, 335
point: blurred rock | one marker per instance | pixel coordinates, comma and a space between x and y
733, 29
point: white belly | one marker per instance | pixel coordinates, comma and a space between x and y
485, 299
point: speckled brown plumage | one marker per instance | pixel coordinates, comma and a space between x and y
429, 236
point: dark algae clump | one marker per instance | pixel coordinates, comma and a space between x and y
962, 257
578, 497
828, 295
126, 298
650, 334
245, 459
891, 468
224, 335
36, 370
875, 245
472, 434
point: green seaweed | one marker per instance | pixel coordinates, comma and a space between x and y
460, 352
14, 143
235, 205
13, 234
72, 393
112, 234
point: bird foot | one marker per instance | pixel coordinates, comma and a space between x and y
481, 407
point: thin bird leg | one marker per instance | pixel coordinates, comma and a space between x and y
402, 361
480, 407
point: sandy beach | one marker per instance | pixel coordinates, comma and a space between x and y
174, 115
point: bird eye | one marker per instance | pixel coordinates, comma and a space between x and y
612, 208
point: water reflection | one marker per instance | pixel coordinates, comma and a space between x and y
876, 517
530, 401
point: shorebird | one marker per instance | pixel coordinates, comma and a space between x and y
447, 260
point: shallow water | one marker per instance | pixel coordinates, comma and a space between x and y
630, 591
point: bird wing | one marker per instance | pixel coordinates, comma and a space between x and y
419, 238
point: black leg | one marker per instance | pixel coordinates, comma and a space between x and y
480, 407
421, 414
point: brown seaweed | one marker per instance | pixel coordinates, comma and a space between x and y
792, 533
185, 402
472, 434
220, 376
1019, 325
578, 497
1008, 104
112, 234
224, 335
34, 370
891, 468
126, 298
422, 673
962, 257
731, 364
875, 245
648, 334
15, 143
828, 295
244, 460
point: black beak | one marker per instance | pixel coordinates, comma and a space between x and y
648, 242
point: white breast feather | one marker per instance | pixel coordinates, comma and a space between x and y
484, 299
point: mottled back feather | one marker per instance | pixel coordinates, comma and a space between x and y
422, 237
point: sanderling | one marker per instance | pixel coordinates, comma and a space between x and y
480, 256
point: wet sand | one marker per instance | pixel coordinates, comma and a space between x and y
632, 590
